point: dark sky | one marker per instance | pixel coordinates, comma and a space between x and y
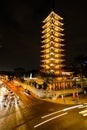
20, 30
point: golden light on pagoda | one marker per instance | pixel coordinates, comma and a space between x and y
52, 44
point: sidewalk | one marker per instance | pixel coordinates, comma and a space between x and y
69, 100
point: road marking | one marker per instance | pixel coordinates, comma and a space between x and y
51, 114
85, 114
69, 108
50, 119
65, 109
82, 112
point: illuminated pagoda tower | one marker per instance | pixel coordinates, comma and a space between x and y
52, 45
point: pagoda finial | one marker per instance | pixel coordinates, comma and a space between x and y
53, 4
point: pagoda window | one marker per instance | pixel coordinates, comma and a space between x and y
56, 29
56, 50
47, 61
56, 45
47, 40
47, 51
57, 67
47, 56
47, 67
47, 46
56, 61
56, 55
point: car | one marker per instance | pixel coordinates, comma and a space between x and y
27, 91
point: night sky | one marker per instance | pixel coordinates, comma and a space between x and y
20, 30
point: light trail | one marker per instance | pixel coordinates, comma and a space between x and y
65, 109
50, 120
51, 114
82, 112
69, 108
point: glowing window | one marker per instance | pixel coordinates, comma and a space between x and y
56, 50
47, 62
47, 51
56, 67
56, 55
47, 40
47, 67
47, 56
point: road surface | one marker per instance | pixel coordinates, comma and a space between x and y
35, 114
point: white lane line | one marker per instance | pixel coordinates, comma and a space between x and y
69, 108
51, 114
65, 109
82, 112
85, 114
50, 119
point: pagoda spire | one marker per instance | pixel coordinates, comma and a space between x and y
53, 5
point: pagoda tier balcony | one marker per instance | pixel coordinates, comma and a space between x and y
52, 50
55, 61
52, 54
45, 66
52, 57
54, 64
54, 15
51, 68
46, 46
52, 60
54, 33
58, 56
47, 53
52, 39
54, 44
52, 21
52, 71
52, 27
57, 45
57, 66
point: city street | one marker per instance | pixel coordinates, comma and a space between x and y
32, 113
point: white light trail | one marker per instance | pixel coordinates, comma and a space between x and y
50, 119
69, 108
51, 114
85, 114
65, 109
82, 112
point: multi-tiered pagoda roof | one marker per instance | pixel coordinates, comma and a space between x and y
52, 44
